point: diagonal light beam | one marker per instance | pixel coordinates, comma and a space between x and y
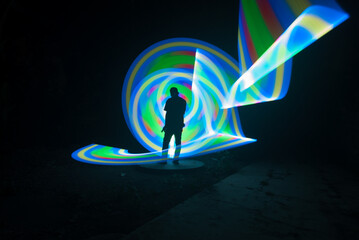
313, 23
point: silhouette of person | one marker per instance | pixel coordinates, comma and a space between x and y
175, 108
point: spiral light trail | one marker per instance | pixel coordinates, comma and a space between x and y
270, 33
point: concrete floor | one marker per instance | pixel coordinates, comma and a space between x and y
276, 200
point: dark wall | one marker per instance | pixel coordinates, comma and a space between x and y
63, 65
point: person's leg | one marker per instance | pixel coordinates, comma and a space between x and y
166, 141
178, 138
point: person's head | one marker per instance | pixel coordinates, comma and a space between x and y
174, 92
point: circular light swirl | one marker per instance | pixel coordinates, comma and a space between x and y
270, 33
202, 74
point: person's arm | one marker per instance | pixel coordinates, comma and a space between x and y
166, 106
184, 107
165, 109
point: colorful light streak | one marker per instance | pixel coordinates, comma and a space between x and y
270, 33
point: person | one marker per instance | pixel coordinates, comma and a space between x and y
175, 108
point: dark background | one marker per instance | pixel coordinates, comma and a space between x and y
63, 64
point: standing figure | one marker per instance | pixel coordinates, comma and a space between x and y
175, 108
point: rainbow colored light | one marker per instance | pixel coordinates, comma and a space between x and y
270, 33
